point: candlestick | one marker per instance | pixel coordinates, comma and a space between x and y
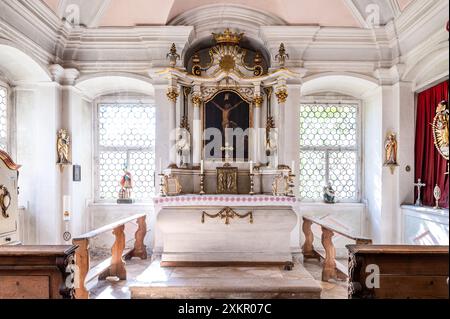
161, 185
291, 185
252, 184
202, 184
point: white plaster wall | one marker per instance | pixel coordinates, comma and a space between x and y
38, 114
77, 118
372, 117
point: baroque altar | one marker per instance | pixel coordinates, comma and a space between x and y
226, 103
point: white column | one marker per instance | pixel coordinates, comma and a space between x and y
257, 140
197, 130
172, 95
282, 95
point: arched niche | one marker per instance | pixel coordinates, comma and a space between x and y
433, 67
18, 66
351, 84
97, 85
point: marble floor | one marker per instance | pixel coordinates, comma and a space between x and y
140, 273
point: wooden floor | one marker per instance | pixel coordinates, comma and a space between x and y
151, 281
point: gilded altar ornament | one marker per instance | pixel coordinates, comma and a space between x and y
280, 185
228, 37
227, 178
5, 200
173, 56
258, 100
228, 213
437, 196
441, 129
196, 100
282, 95
390, 147
196, 66
171, 186
282, 56
172, 94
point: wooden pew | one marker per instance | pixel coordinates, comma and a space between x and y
398, 272
37, 272
331, 268
115, 265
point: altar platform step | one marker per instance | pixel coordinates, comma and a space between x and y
225, 283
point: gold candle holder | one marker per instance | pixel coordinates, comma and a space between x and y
161, 185
202, 184
291, 185
252, 184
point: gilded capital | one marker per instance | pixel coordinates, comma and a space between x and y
258, 100
282, 95
172, 94
196, 100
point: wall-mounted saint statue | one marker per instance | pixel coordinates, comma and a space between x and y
63, 147
391, 148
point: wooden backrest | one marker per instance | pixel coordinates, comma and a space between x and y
359, 239
398, 272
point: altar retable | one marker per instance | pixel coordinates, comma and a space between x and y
227, 212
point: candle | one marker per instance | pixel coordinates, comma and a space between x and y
66, 208
251, 167
293, 168
160, 166
202, 169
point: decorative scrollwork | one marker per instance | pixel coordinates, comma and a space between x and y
5, 200
228, 213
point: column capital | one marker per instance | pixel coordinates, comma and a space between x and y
197, 99
282, 95
172, 94
258, 100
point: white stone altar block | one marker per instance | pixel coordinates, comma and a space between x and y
187, 239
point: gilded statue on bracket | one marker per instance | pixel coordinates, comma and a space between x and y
63, 147
391, 149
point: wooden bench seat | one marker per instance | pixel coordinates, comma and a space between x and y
398, 272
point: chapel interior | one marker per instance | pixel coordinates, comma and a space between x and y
210, 149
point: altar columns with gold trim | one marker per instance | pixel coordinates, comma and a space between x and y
197, 127
172, 95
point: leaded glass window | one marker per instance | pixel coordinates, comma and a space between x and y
3, 119
126, 139
329, 150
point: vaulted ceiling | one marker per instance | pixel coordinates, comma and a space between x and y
126, 13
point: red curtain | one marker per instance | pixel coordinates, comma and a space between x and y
430, 165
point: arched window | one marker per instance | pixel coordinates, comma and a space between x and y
4, 118
125, 139
330, 150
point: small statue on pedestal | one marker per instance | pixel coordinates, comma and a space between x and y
329, 195
126, 184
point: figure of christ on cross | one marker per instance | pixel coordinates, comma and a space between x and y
226, 110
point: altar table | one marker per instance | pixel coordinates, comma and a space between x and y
225, 229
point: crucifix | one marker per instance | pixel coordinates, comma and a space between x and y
227, 150
419, 185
